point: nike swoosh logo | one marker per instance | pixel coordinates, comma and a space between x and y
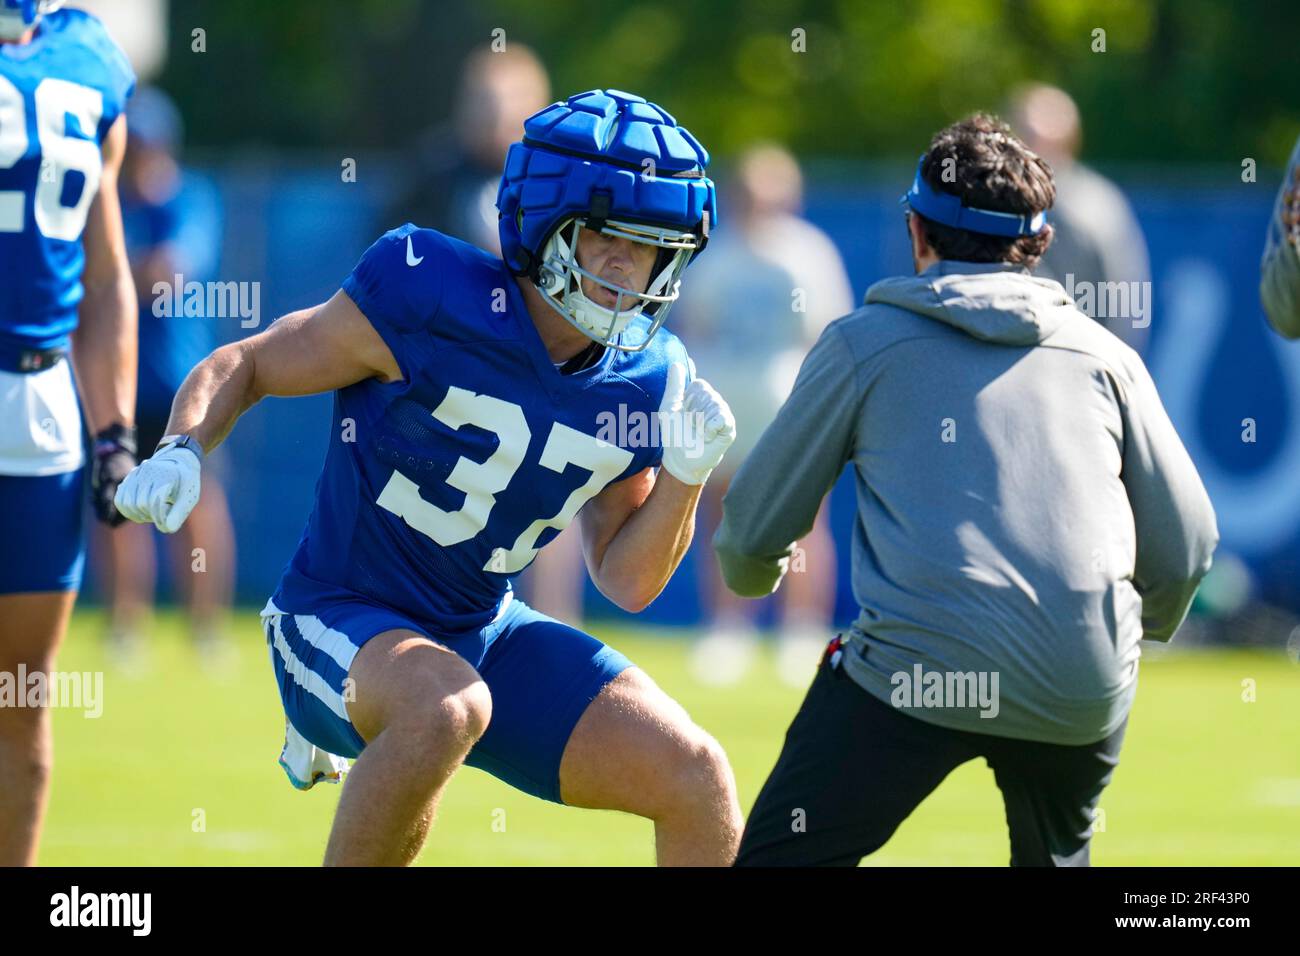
411, 258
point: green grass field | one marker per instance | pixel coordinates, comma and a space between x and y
1205, 777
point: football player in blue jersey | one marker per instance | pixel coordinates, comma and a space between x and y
481, 404
65, 293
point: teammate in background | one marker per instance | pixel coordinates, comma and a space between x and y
473, 399
771, 283
1279, 286
65, 292
1027, 515
172, 224
1098, 238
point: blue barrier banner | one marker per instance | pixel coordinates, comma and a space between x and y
1231, 386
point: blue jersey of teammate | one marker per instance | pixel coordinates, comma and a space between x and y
439, 488
59, 95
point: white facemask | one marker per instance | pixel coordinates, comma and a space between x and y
561, 282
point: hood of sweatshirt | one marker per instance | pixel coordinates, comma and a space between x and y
994, 302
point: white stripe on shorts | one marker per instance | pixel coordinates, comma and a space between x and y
327, 640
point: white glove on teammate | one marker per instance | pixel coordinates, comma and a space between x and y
696, 427
163, 489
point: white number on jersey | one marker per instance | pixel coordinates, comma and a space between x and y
566, 445
481, 482
56, 100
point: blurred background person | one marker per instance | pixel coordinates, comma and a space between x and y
1098, 238
456, 165
453, 182
172, 222
770, 282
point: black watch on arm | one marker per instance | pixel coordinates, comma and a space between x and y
188, 442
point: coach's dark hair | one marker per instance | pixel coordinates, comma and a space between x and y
992, 170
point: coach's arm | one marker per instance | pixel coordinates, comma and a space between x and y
1172, 515
774, 498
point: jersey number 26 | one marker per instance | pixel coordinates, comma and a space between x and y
56, 101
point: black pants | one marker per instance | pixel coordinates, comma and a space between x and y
854, 767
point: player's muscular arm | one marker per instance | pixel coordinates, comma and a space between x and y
635, 533
104, 344
313, 350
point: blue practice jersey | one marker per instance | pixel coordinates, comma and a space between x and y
59, 95
439, 488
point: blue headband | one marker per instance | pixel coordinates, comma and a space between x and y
947, 209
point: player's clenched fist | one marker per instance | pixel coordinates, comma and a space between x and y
163, 489
696, 427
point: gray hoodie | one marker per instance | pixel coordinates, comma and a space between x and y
1026, 511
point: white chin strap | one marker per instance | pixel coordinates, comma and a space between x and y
561, 282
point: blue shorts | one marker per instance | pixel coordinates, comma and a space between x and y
41, 527
541, 674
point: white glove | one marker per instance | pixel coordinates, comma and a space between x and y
696, 427
163, 489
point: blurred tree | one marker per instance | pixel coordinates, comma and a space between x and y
1179, 80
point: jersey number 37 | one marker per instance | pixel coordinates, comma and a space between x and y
483, 481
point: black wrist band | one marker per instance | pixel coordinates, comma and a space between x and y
188, 442
119, 434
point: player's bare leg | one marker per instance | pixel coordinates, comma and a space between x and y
31, 628
635, 749
420, 708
